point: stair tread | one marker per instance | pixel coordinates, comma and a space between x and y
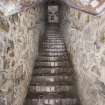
53, 101
53, 47
51, 73
52, 79
47, 58
54, 53
52, 89
49, 62
49, 95
46, 83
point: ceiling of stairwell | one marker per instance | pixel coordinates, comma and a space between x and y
94, 7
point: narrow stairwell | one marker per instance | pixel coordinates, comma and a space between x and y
53, 80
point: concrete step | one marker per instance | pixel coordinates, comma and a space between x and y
53, 84
51, 88
53, 71
50, 95
54, 49
54, 41
52, 64
53, 46
53, 38
53, 53
52, 79
54, 35
53, 58
51, 43
53, 101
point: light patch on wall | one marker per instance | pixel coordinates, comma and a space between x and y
85, 2
94, 7
3, 101
100, 8
94, 3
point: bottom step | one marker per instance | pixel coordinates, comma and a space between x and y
67, 101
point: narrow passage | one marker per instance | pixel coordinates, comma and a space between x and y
53, 80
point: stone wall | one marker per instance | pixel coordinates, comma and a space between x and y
85, 40
19, 39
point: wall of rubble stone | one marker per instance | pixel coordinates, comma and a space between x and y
85, 40
19, 38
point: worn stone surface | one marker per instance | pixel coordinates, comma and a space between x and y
85, 40
18, 51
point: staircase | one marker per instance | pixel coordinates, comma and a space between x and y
53, 80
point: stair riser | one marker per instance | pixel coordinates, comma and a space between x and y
53, 47
46, 53
51, 89
51, 79
52, 72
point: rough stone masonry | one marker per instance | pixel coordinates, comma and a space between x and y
85, 40
19, 37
